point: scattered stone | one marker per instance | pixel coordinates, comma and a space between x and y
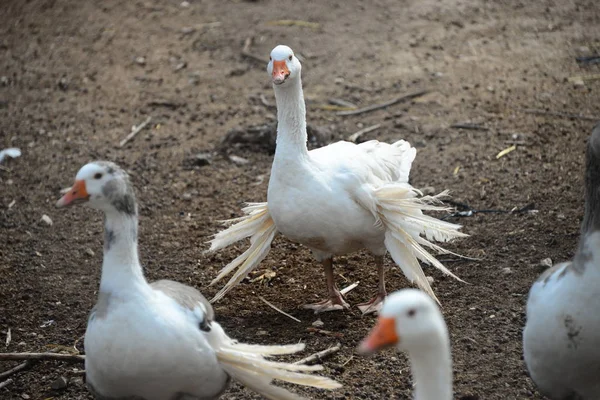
185, 4
63, 84
200, 159
507, 270
140, 60
318, 323
186, 30
546, 263
430, 280
89, 252
46, 219
261, 332
60, 383
428, 191
238, 160
187, 196
180, 66
25, 396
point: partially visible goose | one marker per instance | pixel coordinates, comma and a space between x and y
336, 200
412, 322
160, 341
561, 340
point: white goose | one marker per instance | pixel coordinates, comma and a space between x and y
561, 340
335, 200
412, 322
159, 341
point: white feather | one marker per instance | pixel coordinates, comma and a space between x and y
12, 152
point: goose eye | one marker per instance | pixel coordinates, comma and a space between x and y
98, 175
270, 58
411, 312
290, 57
204, 325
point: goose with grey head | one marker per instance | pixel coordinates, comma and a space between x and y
335, 200
561, 339
413, 323
160, 340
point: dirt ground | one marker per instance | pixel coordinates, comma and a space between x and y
76, 75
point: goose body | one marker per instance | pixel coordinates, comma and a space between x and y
413, 323
316, 201
336, 200
159, 341
561, 339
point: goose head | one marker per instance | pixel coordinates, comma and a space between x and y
409, 320
101, 185
283, 65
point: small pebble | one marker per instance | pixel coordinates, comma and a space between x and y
318, 323
506, 270
546, 262
59, 383
89, 252
46, 219
140, 60
430, 280
238, 160
202, 159
25, 396
428, 190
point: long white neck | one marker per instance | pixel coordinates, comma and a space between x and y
291, 121
431, 367
121, 269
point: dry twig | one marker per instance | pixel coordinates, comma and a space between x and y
278, 309
6, 383
384, 105
472, 127
41, 356
320, 355
325, 332
134, 131
295, 22
348, 288
342, 103
14, 370
355, 136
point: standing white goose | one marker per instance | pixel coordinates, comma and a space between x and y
561, 340
335, 200
412, 322
159, 341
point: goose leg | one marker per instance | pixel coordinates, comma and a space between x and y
374, 305
336, 300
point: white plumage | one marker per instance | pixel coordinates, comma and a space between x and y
337, 199
159, 341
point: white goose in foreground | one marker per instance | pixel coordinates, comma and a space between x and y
561, 340
412, 322
336, 200
159, 341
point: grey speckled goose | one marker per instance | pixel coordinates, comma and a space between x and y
159, 341
561, 340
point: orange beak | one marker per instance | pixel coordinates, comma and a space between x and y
381, 336
77, 194
280, 72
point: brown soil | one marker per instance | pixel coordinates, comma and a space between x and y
71, 89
